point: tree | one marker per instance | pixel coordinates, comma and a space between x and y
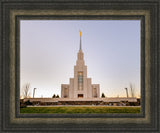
54, 96
103, 95
57, 96
126, 91
132, 89
26, 90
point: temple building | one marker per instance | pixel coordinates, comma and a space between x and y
81, 91
80, 86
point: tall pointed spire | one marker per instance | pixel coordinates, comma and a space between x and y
80, 53
80, 40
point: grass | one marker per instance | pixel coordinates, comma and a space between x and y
87, 110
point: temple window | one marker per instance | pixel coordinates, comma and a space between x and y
80, 80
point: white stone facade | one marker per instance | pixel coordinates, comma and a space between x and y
80, 86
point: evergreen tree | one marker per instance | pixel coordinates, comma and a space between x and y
54, 96
103, 95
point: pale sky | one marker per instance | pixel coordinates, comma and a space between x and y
49, 52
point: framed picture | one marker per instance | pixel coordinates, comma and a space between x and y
38, 38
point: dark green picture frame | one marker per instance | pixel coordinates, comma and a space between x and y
12, 11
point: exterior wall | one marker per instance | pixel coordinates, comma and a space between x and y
80, 68
96, 86
83, 69
89, 88
64, 87
71, 88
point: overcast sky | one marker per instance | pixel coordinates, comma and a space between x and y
49, 52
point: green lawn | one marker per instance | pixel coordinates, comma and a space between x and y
75, 109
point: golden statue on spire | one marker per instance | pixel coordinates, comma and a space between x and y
80, 32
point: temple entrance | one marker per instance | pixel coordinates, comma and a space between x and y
80, 95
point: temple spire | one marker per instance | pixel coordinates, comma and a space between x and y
80, 40
80, 53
